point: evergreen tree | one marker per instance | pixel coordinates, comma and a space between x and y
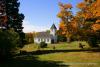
11, 30
15, 18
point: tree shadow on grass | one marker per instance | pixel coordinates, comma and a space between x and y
30, 61
39, 52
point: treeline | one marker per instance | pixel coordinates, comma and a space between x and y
29, 37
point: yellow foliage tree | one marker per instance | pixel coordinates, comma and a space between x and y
68, 25
90, 11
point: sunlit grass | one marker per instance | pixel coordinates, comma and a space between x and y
58, 46
74, 59
71, 57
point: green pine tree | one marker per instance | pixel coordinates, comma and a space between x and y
15, 18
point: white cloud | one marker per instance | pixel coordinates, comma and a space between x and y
28, 27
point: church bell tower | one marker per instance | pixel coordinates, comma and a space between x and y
53, 30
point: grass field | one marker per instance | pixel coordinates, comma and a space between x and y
64, 55
59, 46
71, 59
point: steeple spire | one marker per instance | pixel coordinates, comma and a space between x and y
53, 26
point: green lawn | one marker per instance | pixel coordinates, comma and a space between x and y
65, 55
59, 46
73, 58
69, 58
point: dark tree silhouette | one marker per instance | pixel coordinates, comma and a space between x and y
10, 20
15, 18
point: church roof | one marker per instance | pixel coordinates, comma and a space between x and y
53, 27
43, 35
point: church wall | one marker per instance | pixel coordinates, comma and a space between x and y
53, 31
46, 40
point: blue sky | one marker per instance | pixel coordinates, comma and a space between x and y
41, 14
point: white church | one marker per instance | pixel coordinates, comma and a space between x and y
47, 37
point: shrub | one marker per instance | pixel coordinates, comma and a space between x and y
43, 45
92, 41
61, 38
9, 40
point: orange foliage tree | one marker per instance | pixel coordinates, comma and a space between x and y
68, 25
89, 15
85, 24
90, 12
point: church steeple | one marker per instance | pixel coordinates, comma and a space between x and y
53, 26
53, 30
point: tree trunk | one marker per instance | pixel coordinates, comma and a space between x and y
68, 39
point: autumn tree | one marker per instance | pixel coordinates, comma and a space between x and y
89, 16
67, 22
85, 25
89, 12
60, 37
29, 37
